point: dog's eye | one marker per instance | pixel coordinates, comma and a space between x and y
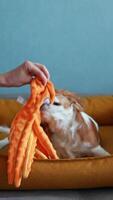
56, 104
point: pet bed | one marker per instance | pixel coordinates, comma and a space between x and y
66, 174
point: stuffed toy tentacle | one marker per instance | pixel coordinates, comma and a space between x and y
26, 131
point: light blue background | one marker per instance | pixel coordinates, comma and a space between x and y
73, 38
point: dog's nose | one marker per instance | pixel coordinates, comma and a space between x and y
43, 107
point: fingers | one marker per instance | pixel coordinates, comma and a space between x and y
43, 69
38, 70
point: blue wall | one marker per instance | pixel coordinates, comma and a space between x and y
73, 38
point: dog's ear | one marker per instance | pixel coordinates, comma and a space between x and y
91, 134
74, 99
77, 106
91, 123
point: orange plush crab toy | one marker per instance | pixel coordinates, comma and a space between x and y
27, 137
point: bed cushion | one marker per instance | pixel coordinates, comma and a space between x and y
66, 174
100, 108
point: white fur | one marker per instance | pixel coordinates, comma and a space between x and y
63, 124
4, 129
87, 119
5, 141
99, 151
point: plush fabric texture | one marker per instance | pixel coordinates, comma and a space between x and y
27, 138
67, 174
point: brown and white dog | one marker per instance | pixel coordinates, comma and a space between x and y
72, 132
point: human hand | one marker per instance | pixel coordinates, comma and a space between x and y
24, 73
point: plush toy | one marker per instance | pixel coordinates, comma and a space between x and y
27, 137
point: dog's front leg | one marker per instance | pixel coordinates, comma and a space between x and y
5, 141
99, 151
4, 129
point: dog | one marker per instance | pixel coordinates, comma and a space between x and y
73, 133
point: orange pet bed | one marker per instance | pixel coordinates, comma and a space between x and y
66, 174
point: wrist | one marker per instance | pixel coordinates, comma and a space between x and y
3, 81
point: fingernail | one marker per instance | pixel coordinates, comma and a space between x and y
44, 82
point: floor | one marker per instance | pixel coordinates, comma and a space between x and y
93, 194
